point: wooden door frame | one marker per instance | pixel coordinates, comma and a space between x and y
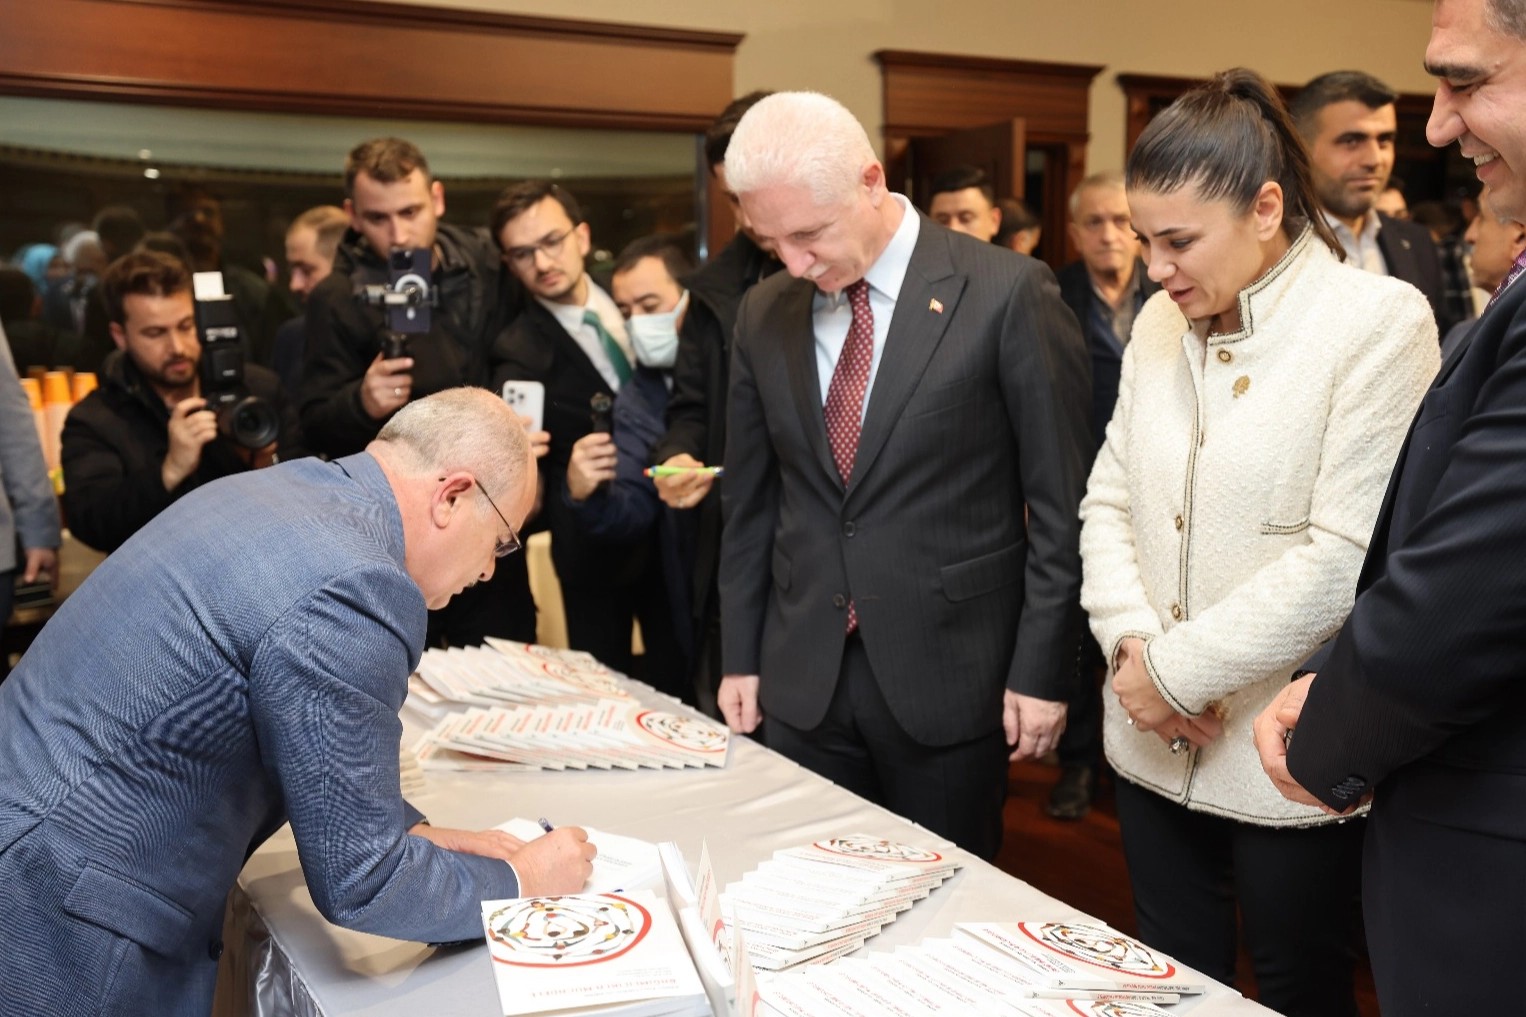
930, 94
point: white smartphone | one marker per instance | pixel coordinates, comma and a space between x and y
528, 399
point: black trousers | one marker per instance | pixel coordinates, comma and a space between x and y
707, 663
957, 791
599, 619
1081, 741
1445, 909
1295, 888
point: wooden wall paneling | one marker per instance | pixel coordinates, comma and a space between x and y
998, 149
932, 94
352, 58
341, 57
1146, 95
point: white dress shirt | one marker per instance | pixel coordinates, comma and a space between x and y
1362, 249
570, 316
832, 314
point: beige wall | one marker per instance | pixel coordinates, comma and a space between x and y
826, 44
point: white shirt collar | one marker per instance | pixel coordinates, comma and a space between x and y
1371, 224
889, 270
570, 316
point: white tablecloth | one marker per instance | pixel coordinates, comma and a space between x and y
298, 963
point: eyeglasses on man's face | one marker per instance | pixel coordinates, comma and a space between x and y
521, 257
507, 546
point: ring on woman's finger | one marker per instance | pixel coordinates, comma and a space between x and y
1131, 721
1178, 745
397, 392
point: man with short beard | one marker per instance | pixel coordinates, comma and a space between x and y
145, 437
1348, 121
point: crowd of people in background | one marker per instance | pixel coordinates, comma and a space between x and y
1225, 375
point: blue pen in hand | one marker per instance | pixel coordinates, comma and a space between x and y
545, 824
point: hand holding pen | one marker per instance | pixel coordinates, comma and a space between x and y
558, 863
683, 481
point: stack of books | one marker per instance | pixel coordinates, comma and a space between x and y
1022, 969
612, 955
815, 903
518, 706
606, 734
507, 673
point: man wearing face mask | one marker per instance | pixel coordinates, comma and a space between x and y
606, 490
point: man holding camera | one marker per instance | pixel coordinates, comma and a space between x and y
147, 436
351, 386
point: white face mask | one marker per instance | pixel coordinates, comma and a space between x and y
655, 336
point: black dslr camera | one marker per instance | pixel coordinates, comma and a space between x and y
407, 295
242, 418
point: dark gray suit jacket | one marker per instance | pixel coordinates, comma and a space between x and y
1412, 255
978, 409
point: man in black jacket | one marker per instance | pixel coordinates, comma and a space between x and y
349, 389
1348, 121
572, 339
145, 437
697, 411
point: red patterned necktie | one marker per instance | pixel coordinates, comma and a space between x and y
1515, 270
845, 395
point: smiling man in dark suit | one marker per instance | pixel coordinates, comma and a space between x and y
1419, 703
896, 399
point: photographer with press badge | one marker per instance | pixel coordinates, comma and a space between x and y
411, 308
177, 406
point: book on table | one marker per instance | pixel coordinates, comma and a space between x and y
814, 903
1083, 958
610, 955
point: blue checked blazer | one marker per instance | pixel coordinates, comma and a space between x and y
237, 663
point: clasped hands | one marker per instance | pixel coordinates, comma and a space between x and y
558, 863
1274, 730
1148, 710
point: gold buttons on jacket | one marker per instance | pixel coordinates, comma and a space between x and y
1225, 356
1180, 522
1242, 385
1176, 611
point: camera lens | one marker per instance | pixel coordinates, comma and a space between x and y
251, 422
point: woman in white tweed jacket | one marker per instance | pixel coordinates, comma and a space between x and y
1264, 395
